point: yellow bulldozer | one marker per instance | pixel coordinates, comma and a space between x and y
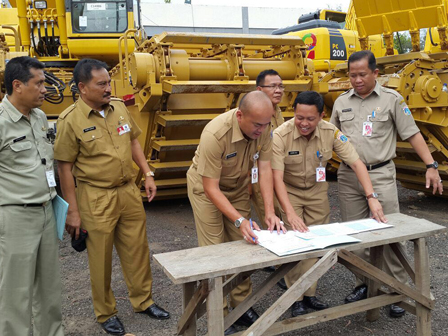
174, 83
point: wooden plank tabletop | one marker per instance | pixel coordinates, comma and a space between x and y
212, 261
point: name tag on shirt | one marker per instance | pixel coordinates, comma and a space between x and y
85, 130
231, 155
19, 139
123, 129
50, 178
293, 153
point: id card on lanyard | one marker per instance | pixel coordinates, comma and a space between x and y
254, 171
320, 171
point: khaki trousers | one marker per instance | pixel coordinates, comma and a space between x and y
213, 228
313, 207
30, 283
258, 205
353, 205
115, 216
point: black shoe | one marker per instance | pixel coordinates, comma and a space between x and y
396, 311
282, 284
298, 308
230, 330
113, 326
359, 293
314, 303
269, 269
248, 318
156, 312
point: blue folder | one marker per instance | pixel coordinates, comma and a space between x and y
60, 208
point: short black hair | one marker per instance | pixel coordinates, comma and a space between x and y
310, 98
262, 75
83, 69
19, 68
359, 55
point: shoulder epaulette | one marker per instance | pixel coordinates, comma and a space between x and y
67, 111
326, 125
285, 128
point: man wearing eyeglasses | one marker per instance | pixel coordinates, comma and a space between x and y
269, 82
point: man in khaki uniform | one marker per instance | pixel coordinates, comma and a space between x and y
30, 283
269, 82
302, 147
96, 143
370, 116
232, 145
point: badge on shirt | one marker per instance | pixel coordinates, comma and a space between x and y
341, 137
347, 110
293, 153
231, 155
320, 174
85, 130
256, 156
406, 110
123, 129
367, 128
50, 178
254, 175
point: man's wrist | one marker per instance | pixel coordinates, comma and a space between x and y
434, 165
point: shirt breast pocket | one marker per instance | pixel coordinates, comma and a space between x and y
230, 167
380, 124
347, 122
92, 142
21, 155
293, 159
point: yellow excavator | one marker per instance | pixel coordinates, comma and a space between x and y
59, 33
174, 83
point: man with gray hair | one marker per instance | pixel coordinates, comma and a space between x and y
30, 284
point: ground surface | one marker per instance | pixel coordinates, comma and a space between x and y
171, 227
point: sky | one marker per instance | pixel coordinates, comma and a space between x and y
317, 4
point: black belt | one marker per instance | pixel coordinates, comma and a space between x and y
375, 166
28, 205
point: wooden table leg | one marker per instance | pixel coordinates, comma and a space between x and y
188, 291
215, 312
376, 257
421, 258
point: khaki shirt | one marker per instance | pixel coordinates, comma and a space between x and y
392, 115
101, 156
225, 154
297, 157
277, 119
24, 148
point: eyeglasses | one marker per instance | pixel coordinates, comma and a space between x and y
273, 87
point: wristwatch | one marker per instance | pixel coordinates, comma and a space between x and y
372, 195
434, 165
239, 221
150, 174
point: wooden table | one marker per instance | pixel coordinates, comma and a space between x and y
200, 271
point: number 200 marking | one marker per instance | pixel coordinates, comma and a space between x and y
338, 53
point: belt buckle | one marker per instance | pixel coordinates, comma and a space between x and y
369, 167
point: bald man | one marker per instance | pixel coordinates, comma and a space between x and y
232, 145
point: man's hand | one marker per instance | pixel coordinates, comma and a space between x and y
432, 176
297, 223
248, 233
150, 187
377, 210
273, 222
73, 224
